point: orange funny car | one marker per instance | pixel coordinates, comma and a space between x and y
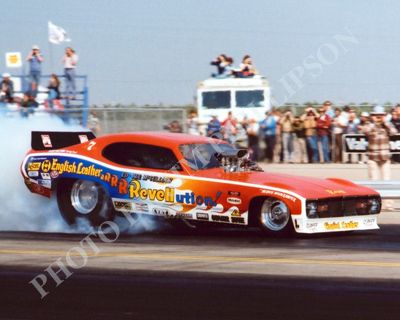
190, 178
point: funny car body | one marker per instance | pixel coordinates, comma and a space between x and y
187, 178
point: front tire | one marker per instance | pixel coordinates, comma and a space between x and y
84, 199
272, 216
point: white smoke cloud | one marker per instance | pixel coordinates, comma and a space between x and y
21, 210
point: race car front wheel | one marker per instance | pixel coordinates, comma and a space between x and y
272, 216
84, 199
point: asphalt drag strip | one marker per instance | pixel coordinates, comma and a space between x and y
99, 294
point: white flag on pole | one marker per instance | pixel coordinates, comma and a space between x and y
57, 34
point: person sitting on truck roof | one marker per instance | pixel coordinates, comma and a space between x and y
224, 66
246, 68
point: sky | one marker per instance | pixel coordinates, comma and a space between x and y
151, 52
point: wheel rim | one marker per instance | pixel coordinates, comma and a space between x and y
84, 196
274, 215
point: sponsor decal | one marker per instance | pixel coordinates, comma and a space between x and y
369, 221
279, 194
311, 225
237, 220
161, 212
183, 215
45, 175
341, 225
46, 141
33, 174
136, 191
83, 138
123, 205
350, 225
44, 183
33, 166
156, 179
233, 200
235, 213
202, 216
334, 192
46, 166
54, 174
234, 193
219, 218
142, 207
71, 167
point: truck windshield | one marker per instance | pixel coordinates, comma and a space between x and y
202, 155
216, 99
250, 99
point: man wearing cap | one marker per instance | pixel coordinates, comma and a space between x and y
6, 88
378, 132
35, 60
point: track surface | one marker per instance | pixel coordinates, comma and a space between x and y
212, 274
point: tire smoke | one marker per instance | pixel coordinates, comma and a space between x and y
20, 209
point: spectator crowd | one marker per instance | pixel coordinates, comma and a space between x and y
312, 137
30, 88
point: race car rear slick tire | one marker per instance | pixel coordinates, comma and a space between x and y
84, 199
272, 216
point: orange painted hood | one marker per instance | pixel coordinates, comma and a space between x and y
307, 187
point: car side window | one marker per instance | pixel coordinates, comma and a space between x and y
141, 155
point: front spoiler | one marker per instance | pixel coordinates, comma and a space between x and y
324, 225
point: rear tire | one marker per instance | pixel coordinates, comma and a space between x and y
84, 199
272, 216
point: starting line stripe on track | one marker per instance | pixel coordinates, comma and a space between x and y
174, 257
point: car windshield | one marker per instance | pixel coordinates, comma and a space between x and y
202, 156
216, 100
250, 99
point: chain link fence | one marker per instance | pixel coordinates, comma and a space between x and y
116, 120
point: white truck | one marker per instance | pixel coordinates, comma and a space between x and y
245, 97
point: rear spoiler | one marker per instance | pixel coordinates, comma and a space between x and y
49, 140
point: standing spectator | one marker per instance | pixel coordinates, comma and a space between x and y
214, 128
54, 91
352, 128
70, 61
378, 144
229, 128
35, 60
396, 123
268, 127
328, 109
339, 124
352, 123
94, 123
193, 123
7, 89
310, 124
286, 124
364, 122
300, 140
252, 129
323, 131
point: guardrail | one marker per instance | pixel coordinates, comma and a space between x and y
388, 189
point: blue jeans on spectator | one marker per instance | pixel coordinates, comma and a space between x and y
325, 148
287, 143
34, 76
70, 87
312, 142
